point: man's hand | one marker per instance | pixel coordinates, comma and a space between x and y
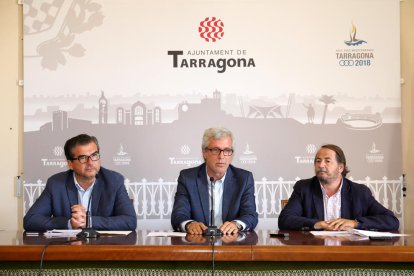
228, 228
78, 219
322, 225
339, 224
342, 224
196, 228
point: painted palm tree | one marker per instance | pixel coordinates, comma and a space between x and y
326, 100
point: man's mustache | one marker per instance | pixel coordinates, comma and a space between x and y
321, 170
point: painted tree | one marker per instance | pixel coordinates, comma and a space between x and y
326, 100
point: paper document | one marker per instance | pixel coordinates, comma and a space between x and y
375, 233
330, 233
166, 234
114, 233
363, 233
59, 233
338, 236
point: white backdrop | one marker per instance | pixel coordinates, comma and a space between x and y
147, 77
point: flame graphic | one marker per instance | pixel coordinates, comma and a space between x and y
352, 35
353, 41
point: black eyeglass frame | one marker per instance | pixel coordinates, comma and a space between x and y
217, 151
94, 157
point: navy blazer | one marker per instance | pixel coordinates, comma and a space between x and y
305, 207
192, 200
111, 208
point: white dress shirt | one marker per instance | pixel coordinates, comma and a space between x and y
332, 204
83, 197
218, 199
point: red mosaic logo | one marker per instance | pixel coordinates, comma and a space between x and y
211, 29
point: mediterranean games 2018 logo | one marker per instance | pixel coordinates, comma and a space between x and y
356, 55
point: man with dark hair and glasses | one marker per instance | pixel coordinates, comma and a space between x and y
233, 188
330, 201
86, 186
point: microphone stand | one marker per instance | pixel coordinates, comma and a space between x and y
213, 241
212, 230
88, 232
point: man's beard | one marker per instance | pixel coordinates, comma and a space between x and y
324, 180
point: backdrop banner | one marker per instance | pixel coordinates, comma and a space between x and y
148, 77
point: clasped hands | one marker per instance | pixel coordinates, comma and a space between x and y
338, 224
78, 219
198, 228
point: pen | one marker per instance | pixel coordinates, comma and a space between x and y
380, 238
32, 234
272, 235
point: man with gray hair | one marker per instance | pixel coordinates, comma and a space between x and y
233, 188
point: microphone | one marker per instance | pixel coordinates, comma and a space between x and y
88, 232
212, 230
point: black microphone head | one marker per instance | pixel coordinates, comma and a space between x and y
211, 179
88, 219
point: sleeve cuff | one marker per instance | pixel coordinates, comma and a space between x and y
184, 225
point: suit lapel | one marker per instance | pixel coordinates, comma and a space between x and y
317, 199
346, 200
96, 193
71, 189
202, 187
228, 192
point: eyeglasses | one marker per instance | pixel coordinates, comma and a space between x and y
84, 158
217, 151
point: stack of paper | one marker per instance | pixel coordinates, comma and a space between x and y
166, 234
367, 233
64, 233
61, 233
363, 233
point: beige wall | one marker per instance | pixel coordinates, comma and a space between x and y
11, 113
11, 110
407, 98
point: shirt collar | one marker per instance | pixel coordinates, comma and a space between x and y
79, 187
221, 180
337, 192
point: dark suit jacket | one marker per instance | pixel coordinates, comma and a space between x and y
111, 207
192, 201
305, 207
